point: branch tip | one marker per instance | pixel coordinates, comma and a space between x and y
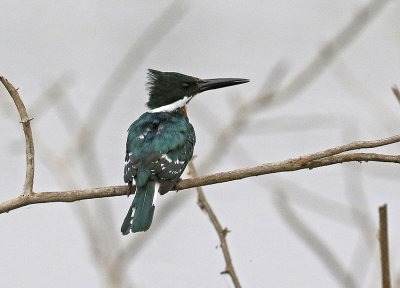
26, 121
396, 92
225, 231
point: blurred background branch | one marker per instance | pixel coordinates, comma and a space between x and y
315, 244
173, 36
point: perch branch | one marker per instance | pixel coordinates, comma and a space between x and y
30, 151
319, 159
222, 232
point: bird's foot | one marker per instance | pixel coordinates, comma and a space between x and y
131, 189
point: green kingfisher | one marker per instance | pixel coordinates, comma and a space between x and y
160, 143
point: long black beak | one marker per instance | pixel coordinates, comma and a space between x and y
209, 84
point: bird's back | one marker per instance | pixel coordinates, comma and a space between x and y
159, 147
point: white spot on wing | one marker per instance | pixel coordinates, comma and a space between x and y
156, 193
165, 156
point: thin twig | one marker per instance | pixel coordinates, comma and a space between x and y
29, 151
328, 52
222, 232
363, 95
384, 244
52, 96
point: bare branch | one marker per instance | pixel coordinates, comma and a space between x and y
52, 96
65, 196
310, 161
363, 95
332, 49
30, 151
384, 244
222, 232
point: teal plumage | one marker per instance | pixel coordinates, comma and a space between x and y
160, 143
158, 149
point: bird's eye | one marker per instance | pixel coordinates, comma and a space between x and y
185, 85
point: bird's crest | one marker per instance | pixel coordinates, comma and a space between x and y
152, 77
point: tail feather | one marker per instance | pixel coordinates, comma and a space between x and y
142, 209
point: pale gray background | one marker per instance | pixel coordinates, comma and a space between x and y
79, 43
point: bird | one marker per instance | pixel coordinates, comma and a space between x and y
160, 142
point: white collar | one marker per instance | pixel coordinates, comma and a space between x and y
173, 106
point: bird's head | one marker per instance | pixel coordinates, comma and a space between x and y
171, 90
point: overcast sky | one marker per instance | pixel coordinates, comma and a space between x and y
71, 49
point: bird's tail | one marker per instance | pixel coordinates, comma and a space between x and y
142, 209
